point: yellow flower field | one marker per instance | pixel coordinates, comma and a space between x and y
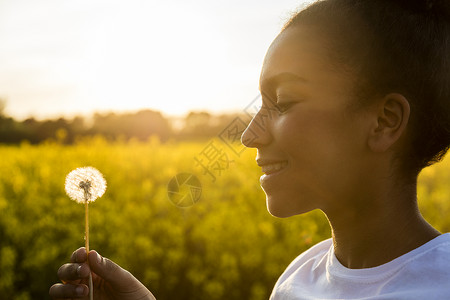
225, 246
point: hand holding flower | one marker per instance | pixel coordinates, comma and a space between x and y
110, 281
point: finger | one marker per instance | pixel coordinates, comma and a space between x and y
110, 271
73, 271
60, 290
79, 255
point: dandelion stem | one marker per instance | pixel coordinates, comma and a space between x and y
87, 226
86, 202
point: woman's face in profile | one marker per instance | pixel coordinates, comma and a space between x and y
310, 145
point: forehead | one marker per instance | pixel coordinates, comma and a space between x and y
296, 51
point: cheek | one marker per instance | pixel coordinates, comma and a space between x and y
314, 133
321, 147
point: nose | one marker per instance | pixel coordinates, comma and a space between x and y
257, 133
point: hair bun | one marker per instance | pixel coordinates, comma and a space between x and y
441, 5
429, 4
438, 7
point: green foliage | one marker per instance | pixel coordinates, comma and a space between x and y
226, 246
196, 126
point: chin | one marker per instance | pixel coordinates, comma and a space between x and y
283, 209
279, 209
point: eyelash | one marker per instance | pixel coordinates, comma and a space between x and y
280, 107
283, 107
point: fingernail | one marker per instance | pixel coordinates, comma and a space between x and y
79, 270
99, 258
79, 290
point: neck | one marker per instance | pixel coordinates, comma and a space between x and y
378, 229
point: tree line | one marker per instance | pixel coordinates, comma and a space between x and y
138, 125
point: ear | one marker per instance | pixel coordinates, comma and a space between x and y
392, 117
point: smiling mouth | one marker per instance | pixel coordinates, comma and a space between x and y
273, 167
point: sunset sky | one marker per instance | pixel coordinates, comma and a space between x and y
67, 57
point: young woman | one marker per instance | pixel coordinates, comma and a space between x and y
356, 102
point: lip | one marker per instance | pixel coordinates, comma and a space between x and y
271, 168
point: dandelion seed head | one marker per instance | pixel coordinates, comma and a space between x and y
85, 184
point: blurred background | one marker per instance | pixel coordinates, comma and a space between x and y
143, 91
84, 66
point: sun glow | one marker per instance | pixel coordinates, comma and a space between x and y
71, 57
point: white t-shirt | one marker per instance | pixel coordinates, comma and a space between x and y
423, 273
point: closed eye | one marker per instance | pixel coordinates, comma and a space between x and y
283, 106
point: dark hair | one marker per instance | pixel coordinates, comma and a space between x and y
394, 46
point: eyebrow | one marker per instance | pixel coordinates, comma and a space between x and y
282, 77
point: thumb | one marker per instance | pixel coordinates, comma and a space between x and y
110, 271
